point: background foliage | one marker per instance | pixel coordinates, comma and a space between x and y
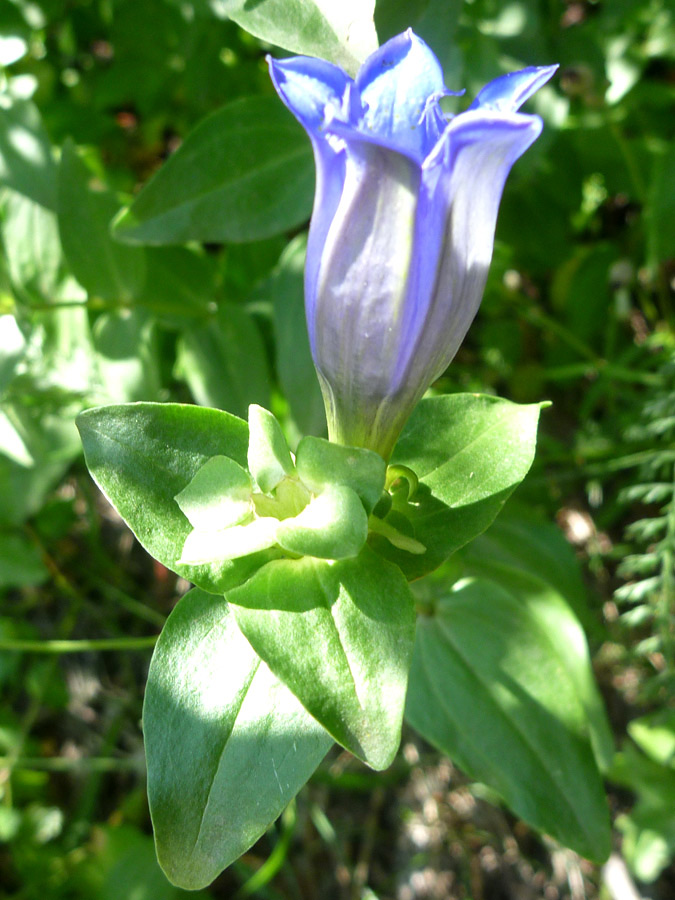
160, 117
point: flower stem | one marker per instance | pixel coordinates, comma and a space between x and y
67, 646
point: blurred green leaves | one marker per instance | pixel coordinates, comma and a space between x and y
105, 268
224, 362
649, 828
26, 164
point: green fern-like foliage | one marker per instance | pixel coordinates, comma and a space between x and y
650, 570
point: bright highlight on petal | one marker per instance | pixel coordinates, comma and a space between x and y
395, 85
314, 89
508, 92
403, 225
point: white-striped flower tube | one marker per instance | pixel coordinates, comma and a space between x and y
403, 224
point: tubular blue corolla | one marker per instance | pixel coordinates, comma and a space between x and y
403, 224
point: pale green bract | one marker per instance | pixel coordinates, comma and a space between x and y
317, 505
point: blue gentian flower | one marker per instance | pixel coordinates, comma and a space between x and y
403, 224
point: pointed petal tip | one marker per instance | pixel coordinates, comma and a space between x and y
276, 69
508, 92
547, 71
313, 89
476, 126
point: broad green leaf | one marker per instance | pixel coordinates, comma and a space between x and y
127, 356
103, 266
438, 26
244, 173
224, 362
321, 463
470, 452
227, 745
269, 459
294, 365
248, 266
343, 33
37, 425
142, 455
66, 360
648, 838
26, 164
340, 636
651, 780
494, 685
553, 615
30, 237
333, 525
522, 540
218, 496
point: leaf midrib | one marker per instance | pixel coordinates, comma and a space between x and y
443, 626
243, 695
329, 608
466, 447
133, 449
198, 197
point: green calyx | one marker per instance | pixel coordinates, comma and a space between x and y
319, 504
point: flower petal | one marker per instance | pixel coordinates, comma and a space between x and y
314, 90
403, 225
355, 288
330, 176
395, 85
508, 92
317, 93
462, 186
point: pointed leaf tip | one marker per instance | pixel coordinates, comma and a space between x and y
269, 459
